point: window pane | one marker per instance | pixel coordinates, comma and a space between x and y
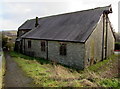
63, 49
29, 44
42, 45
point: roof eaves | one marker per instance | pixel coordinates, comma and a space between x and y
93, 28
24, 35
53, 40
22, 25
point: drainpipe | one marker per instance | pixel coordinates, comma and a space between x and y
103, 36
24, 46
47, 50
106, 36
105, 13
21, 46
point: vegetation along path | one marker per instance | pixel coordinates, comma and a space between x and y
14, 76
49, 74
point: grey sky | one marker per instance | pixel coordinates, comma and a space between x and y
15, 12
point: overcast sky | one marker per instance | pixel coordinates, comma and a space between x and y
13, 13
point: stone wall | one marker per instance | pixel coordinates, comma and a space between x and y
93, 45
35, 48
74, 57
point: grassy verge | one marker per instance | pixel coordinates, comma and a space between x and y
97, 66
110, 83
2, 71
0, 76
3, 68
0, 79
48, 74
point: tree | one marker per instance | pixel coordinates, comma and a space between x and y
4, 41
117, 36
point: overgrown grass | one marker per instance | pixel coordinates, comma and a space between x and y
2, 70
48, 74
109, 83
40, 60
0, 78
96, 67
45, 73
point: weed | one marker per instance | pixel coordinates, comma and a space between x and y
109, 83
101, 64
50, 74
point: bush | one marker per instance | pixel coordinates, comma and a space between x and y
7, 43
117, 46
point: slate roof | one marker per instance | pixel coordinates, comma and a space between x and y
29, 24
75, 26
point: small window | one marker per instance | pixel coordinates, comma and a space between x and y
42, 45
63, 49
29, 44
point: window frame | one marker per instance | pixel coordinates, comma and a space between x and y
43, 46
29, 43
63, 49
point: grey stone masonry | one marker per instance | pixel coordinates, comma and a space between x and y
74, 57
35, 48
93, 45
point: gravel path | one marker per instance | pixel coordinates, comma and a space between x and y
14, 76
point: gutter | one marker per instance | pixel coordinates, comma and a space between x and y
74, 41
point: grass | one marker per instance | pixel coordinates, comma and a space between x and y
98, 65
48, 74
109, 83
0, 78
0, 74
2, 71
45, 73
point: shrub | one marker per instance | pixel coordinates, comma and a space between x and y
117, 46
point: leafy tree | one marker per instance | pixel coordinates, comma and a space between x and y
4, 40
117, 36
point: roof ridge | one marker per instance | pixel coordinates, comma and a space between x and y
72, 12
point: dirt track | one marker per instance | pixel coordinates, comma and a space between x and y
14, 76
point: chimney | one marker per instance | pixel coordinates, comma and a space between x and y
36, 22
